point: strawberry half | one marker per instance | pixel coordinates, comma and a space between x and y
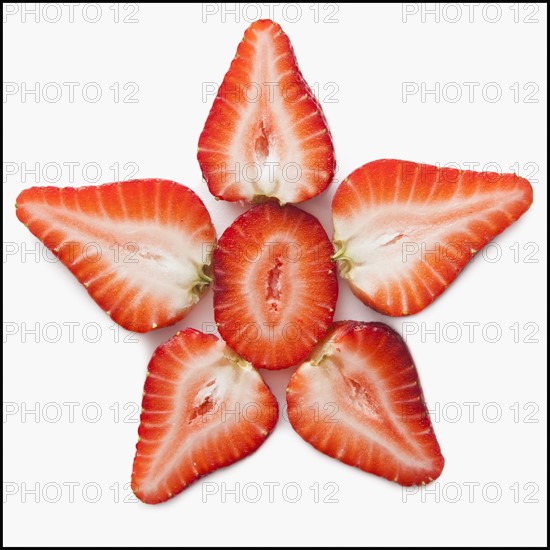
358, 399
275, 286
204, 407
141, 248
404, 231
266, 135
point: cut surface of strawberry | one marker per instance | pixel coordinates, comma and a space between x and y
358, 399
404, 231
275, 286
266, 134
204, 407
142, 248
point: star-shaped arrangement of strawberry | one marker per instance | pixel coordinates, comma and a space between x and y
274, 273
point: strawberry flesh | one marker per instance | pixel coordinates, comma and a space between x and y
266, 135
358, 399
275, 286
404, 231
204, 407
141, 248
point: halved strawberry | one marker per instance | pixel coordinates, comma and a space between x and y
275, 286
404, 231
141, 248
358, 399
266, 135
204, 407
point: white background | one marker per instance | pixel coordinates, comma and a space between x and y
366, 54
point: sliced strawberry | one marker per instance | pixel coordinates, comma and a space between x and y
266, 135
204, 407
358, 399
275, 286
141, 248
404, 231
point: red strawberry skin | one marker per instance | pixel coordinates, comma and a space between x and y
266, 134
275, 286
142, 248
403, 231
204, 408
358, 399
